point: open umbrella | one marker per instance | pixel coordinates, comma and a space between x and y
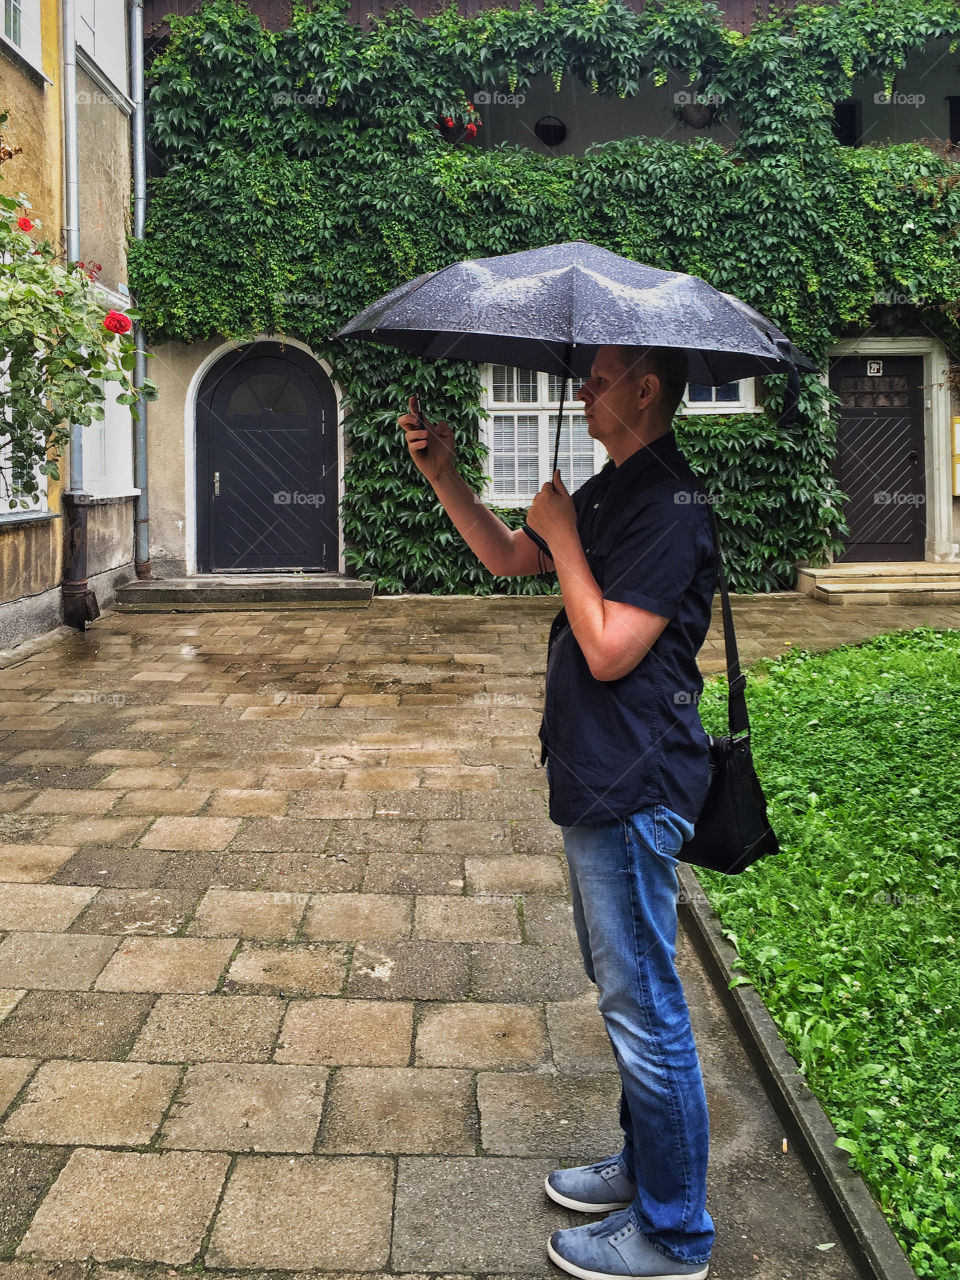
552, 308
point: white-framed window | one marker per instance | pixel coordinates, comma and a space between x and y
21, 28
102, 33
7, 512
521, 430
108, 448
731, 397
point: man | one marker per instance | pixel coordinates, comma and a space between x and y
627, 770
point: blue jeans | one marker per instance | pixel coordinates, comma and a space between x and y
624, 886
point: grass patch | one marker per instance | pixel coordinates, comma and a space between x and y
850, 934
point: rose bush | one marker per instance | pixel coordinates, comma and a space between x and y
58, 344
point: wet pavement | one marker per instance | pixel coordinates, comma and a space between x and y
288, 977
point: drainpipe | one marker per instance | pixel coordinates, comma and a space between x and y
79, 603
142, 518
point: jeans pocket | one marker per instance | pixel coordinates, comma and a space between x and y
670, 832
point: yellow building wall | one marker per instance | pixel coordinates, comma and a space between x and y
31, 553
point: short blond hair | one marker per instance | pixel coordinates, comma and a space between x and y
670, 364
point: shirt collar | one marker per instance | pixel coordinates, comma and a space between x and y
662, 453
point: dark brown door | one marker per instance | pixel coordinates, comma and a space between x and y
880, 461
267, 463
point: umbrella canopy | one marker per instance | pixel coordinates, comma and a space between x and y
552, 308
794, 355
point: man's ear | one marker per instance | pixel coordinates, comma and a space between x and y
648, 388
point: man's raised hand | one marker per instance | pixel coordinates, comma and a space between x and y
431, 446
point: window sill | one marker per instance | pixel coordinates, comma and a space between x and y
696, 411
16, 519
16, 55
104, 499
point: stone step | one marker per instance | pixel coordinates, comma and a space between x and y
228, 591
912, 582
886, 569
895, 593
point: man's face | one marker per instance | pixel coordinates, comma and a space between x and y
609, 396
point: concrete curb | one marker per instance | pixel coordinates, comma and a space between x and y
36, 644
847, 1197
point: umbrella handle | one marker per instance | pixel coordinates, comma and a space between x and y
416, 409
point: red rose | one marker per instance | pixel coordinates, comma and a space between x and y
117, 322
448, 121
58, 292
24, 224
471, 130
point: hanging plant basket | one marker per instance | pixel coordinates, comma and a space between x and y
698, 115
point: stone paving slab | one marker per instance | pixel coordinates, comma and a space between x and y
313, 1212
117, 1204
288, 975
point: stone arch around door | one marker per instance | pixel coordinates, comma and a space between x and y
267, 463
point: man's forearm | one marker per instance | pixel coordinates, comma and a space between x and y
490, 540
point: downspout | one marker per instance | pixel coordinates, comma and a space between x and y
79, 603
142, 517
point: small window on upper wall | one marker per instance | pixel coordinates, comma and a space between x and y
102, 34
13, 21
847, 122
730, 397
21, 28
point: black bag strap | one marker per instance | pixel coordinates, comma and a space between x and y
737, 716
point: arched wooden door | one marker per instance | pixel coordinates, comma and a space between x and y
267, 463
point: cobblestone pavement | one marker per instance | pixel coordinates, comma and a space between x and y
288, 979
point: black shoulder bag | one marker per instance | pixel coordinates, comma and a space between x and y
732, 830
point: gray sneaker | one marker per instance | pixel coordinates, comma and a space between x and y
613, 1249
592, 1188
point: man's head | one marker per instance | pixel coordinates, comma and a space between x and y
632, 395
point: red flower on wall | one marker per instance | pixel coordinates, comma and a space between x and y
24, 224
455, 131
117, 322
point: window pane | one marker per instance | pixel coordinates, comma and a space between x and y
504, 432
503, 475
553, 389
267, 392
575, 459
729, 391
502, 384
699, 391
515, 455
11, 21
527, 386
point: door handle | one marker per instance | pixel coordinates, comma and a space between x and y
913, 455
216, 484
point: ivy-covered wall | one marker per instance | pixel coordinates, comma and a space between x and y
308, 164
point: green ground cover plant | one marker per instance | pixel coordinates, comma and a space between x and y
850, 934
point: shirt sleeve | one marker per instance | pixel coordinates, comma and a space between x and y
657, 557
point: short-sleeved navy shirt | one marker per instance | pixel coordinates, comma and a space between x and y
616, 746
